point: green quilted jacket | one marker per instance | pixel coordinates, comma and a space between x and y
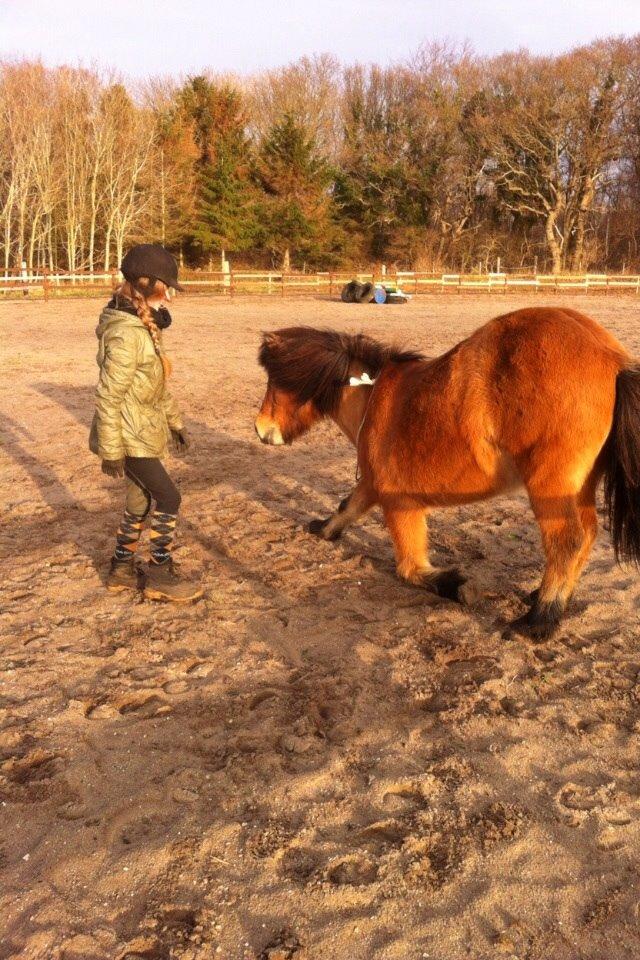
134, 410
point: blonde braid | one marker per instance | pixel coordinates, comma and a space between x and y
139, 300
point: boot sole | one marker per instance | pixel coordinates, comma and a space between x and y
151, 594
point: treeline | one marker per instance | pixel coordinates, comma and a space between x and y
448, 160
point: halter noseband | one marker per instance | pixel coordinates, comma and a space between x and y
364, 380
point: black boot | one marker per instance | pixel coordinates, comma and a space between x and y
123, 575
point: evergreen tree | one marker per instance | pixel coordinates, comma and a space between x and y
296, 215
224, 216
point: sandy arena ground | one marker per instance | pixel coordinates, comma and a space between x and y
315, 761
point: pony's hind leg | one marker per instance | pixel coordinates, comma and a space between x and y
563, 524
589, 521
408, 528
361, 499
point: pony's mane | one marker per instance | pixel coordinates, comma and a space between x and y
314, 364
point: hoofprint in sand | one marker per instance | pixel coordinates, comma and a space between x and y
315, 761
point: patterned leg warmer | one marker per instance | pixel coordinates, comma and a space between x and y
163, 526
128, 537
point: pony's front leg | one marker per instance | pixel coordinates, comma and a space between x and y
408, 528
361, 499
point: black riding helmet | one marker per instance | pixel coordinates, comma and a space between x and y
153, 261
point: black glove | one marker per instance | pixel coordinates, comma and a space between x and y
181, 441
113, 468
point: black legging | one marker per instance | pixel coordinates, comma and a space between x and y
152, 478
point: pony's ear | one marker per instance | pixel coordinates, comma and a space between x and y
268, 349
270, 339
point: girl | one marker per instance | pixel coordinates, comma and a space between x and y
135, 415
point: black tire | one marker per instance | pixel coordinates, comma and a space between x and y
350, 291
366, 293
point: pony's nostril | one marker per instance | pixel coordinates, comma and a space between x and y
266, 438
269, 435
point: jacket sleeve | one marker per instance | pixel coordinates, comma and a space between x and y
116, 376
171, 411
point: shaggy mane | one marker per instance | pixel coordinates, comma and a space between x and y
314, 364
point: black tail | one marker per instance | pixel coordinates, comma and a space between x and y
622, 471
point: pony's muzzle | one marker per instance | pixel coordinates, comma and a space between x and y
269, 432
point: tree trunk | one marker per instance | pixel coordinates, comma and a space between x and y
586, 202
107, 248
553, 243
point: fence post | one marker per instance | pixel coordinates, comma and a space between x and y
282, 284
114, 279
46, 283
330, 286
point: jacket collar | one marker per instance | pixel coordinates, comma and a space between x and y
161, 317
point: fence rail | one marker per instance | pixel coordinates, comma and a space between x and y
322, 284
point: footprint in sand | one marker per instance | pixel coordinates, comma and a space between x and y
353, 871
200, 669
399, 796
576, 802
284, 947
298, 863
144, 706
270, 693
33, 777
391, 831
38, 765
141, 705
101, 711
470, 673
461, 676
574, 796
173, 687
136, 827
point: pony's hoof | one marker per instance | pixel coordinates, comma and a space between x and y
449, 583
318, 527
541, 622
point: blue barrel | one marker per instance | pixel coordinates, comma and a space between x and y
380, 295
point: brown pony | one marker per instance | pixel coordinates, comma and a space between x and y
542, 397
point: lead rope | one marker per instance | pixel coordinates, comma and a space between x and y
362, 381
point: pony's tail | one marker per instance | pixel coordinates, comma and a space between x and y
622, 468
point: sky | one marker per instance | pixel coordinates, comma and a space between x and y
141, 38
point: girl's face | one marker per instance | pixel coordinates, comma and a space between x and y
160, 299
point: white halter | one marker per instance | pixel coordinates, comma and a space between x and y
362, 381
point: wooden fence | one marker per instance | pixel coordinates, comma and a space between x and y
326, 285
